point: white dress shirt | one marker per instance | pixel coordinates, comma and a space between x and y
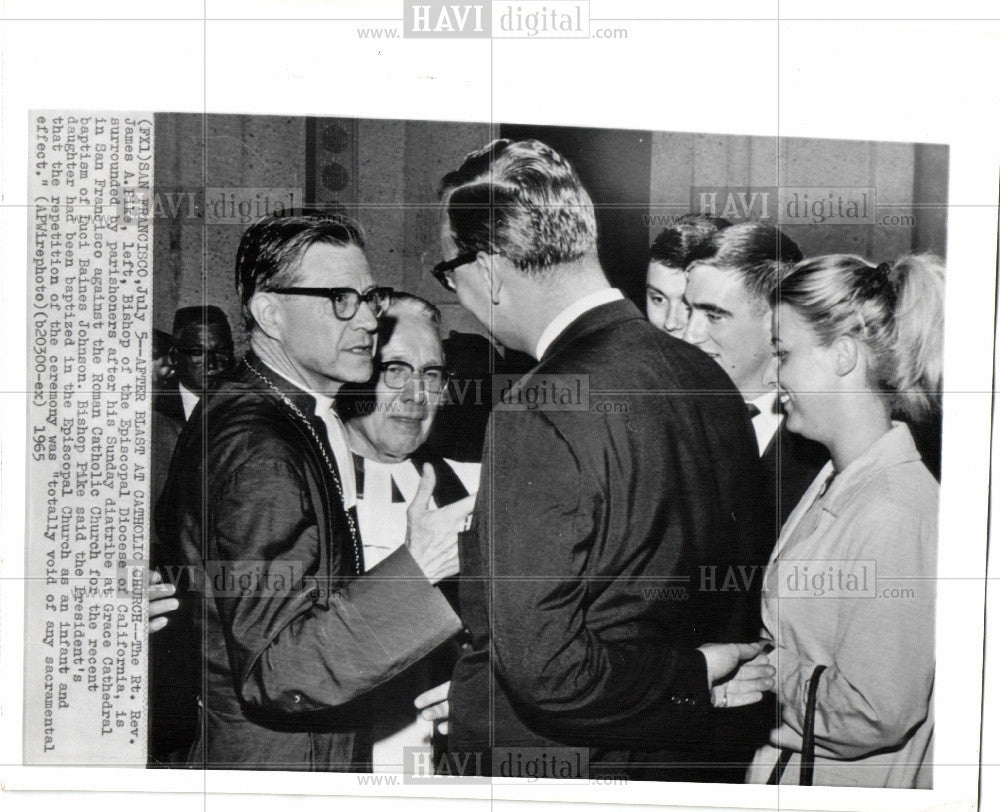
766, 423
336, 435
570, 314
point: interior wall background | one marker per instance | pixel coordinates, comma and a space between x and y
386, 173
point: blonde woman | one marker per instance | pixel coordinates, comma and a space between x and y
849, 590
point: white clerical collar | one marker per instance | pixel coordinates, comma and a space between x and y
335, 434
188, 400
570, 314
328, 401
323, 402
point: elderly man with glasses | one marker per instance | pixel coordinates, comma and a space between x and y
261, 496
388, 420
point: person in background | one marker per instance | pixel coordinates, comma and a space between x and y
857, 345
666, 277
581, 511
185, 364
474, 362
162, 370
167, 414
729, 280
202, 352
388, 421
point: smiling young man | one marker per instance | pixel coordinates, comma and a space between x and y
261, 498
666, 276
728, 287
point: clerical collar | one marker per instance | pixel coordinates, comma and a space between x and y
336, 435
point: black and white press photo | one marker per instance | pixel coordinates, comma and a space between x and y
471, 442
667, 554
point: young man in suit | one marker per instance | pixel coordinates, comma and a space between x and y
728, 285
596, 512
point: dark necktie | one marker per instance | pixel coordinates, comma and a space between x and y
752, 410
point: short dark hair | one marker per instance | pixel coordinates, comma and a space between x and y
759, 253
201, 314
521, 200
684, 239
271, 250
162, 343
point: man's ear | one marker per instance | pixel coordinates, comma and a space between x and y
847, 355
487, 265
267, 312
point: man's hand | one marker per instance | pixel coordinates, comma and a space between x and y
160, 601
432, 535
433, 706
747, 685
723, 658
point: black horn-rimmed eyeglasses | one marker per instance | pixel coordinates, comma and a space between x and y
443, 270
346, 301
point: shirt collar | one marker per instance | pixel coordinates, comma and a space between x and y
766, 423
323, 402
335, 435
188, 399
570, 314
767, 403
895, 447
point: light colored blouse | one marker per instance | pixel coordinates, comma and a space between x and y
851, 585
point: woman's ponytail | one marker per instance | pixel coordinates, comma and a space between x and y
918, 348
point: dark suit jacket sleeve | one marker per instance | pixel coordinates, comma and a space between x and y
563, 675
293, 649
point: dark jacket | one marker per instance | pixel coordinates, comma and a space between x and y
294, 634
582, 579
174, 667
